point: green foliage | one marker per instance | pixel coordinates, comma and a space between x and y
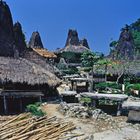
71, 57
72, 70
85, 100
87, 69
113, 44
133, 86
104, 85
135, 29
35, 109
89, 59
135, 25
104, 62
136, 36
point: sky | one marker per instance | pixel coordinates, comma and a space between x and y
98, 21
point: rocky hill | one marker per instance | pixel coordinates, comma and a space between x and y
6, 31
128, 45
35, 41
11, 36
74, 44
124, 49
19, 38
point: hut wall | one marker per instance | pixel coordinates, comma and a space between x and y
16, 105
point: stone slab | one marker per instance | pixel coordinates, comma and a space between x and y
134, 115
114, 97
131, 105
68, 93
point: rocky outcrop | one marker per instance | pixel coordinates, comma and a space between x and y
79, 111
19, 38
35, 41
84, 43
73, 44
125, 47
72, 38
6, 31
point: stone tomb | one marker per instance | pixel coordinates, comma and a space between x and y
134, 110
119, 98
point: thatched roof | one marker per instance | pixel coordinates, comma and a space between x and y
23, 71
45, 53
73, 48
132, 67
34, 57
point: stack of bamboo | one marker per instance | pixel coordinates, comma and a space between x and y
26, 127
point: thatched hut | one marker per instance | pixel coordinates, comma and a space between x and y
23, 82
45, 53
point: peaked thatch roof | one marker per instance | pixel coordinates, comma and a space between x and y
45, 53
23, 71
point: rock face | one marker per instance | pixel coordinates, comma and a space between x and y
73, 44
84, 42
6, 31
79, 111
72, 38
35, 41
125, 48
19, 38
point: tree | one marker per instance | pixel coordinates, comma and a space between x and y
90, 59
106, 63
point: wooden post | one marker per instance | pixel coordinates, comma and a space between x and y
76, 86
40, 99
5, 105
87, 86
97, 102
72, 84
119, 109
93, 102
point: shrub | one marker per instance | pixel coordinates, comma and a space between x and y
104, 85
71, 70
35, 109
133, 86
86, 101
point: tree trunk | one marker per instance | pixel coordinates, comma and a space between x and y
92, 85
105, 73
119, 77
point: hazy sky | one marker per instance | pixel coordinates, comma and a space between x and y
96, 20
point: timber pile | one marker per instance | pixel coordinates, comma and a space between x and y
24, 126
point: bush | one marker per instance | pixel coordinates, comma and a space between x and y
87, 69
86, 101
35, 109
104, 85
72, 70
71, 57
133, 86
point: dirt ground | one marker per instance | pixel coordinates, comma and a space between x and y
93, 130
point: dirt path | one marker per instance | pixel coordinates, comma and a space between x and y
51, 110
97, 129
